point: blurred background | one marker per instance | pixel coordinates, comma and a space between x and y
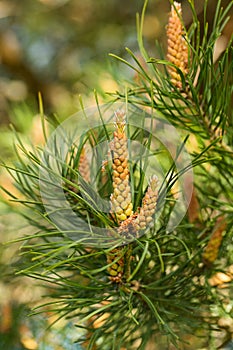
59, 48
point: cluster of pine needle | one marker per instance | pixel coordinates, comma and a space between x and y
156, 289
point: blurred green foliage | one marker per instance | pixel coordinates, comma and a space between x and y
60, 47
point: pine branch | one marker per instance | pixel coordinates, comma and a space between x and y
139, 280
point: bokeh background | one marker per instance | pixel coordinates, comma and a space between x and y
59, 48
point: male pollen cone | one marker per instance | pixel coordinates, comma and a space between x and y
121, 204
147, 210
144, 218
177, 51
84, 166
117, 261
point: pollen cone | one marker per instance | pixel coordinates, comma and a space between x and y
121, 204
84, 166
147, 210
177, 45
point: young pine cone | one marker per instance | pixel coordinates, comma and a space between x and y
121, 204
177, 45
